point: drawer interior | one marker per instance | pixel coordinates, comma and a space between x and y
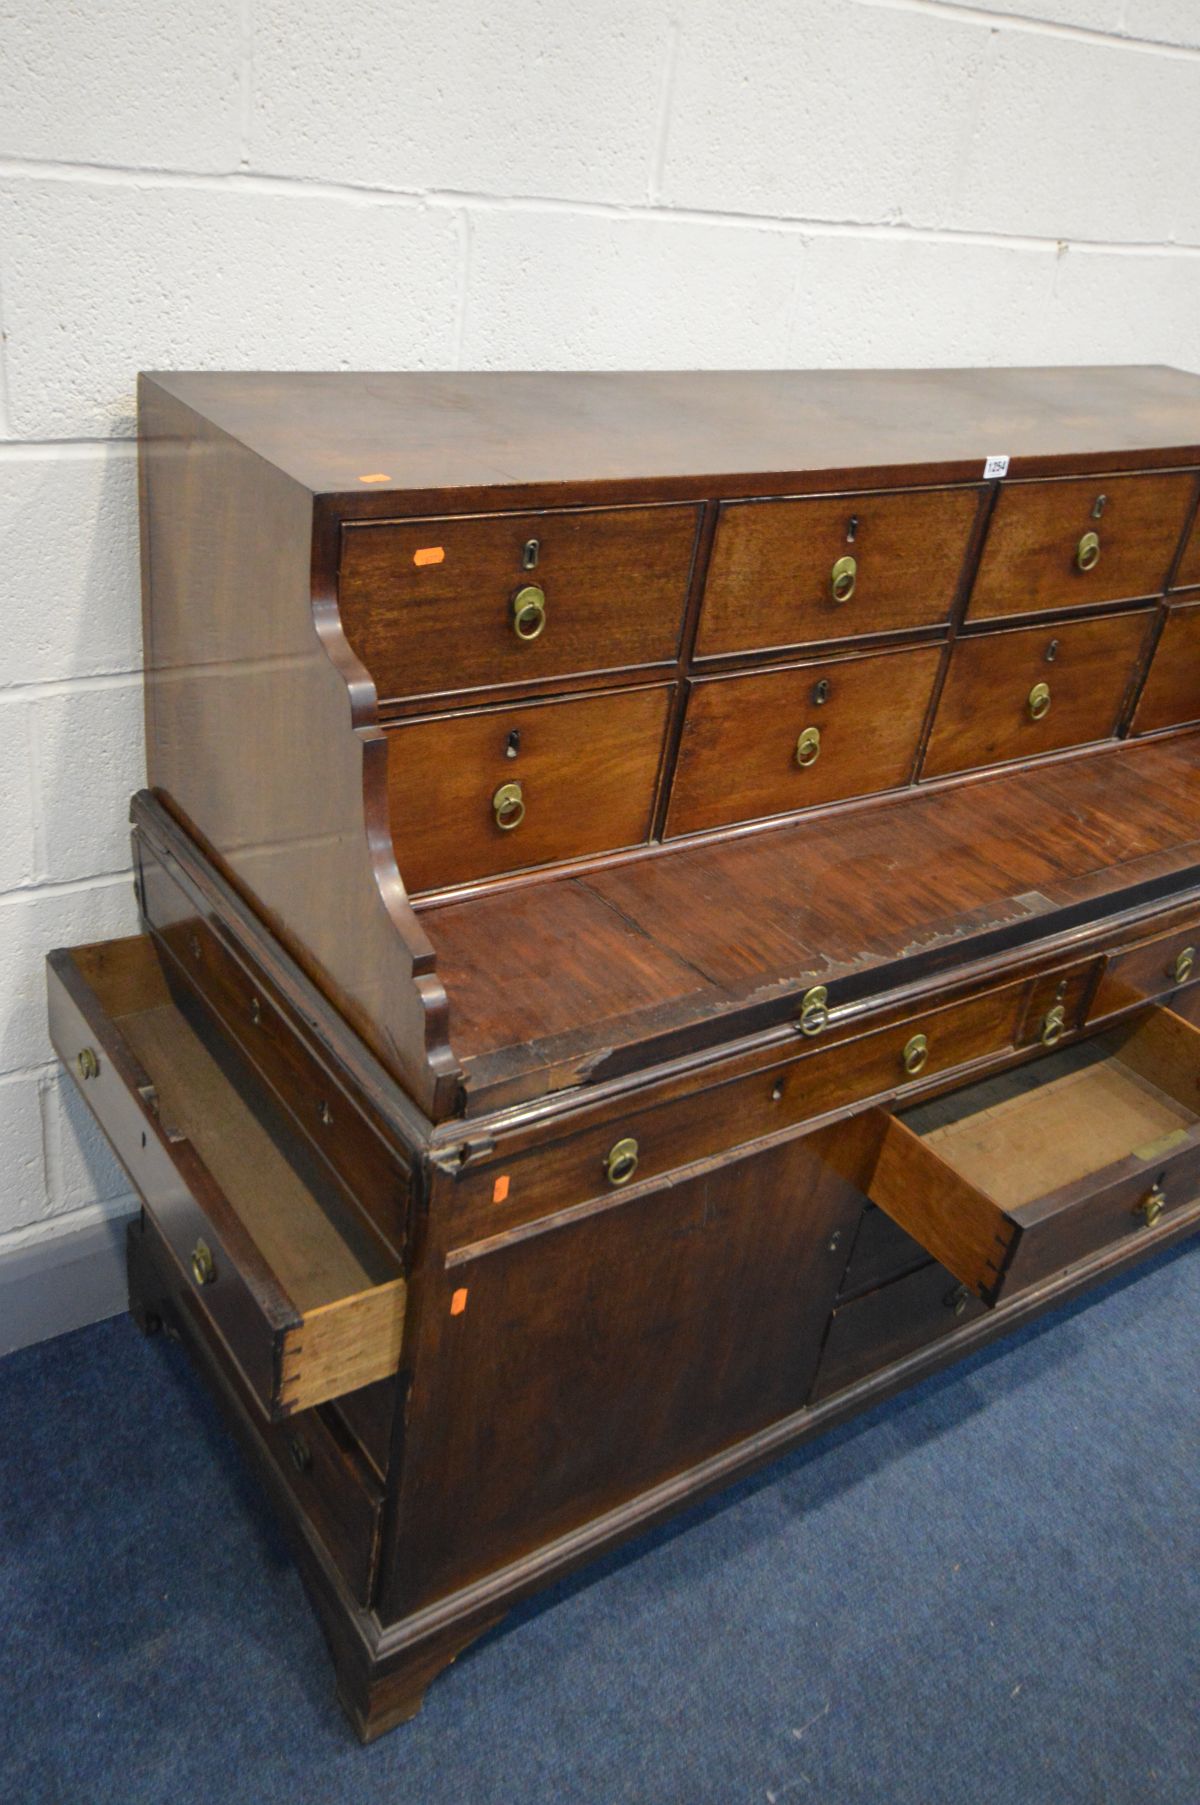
312, 1267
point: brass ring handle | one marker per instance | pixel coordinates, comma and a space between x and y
814, 1010
1054, 1025
204, 1267
529, 612
86, 1063
509, 806
1184, 964
843, 578
916, 1052
958, 1299
808, 747
1152, 1205
622, 1161
1039, 701
1087, 552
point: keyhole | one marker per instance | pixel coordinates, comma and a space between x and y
852, 529
512, 744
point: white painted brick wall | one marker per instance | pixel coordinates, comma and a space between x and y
325, 183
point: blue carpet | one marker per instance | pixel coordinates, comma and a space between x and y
986, 1591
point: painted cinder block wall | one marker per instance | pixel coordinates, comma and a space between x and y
496, 183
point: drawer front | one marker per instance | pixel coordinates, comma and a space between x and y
882, 1251
889, 1323
1055, 1004
1071, 544
1033, 690
585, 770
770, 742
1188, 574
790, 573
1151, 969
428, 605
520, 1187
1171, 692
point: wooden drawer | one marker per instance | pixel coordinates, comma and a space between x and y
1171, 692
306, 1302
890, 1322
780, 574
310, 1452
986, 714
513, 1187
1035, 547
1188, 574
1011, 1179
428, 605
1153, 968
587, 769
741, 755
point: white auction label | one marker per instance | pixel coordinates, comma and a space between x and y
995, 468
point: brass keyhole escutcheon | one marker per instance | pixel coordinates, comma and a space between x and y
1054, 1025
843, 578
1039, 701
1152, 1205
529, 612
808, 747
622, 1161
814, 1010
204, 1267
1087, 552
958, 1299
1184, 965
916, 1052
87, 1063
509, 806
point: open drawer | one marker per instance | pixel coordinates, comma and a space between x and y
306, 1302
1011, 1179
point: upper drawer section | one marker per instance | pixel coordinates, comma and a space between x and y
1038, 689
473, 795
768, 742
791, 573
1069, 544
438, 606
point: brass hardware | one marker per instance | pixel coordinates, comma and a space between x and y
509, 806
1054, 1025
324, 1114
916, 1052
1087, 552
1152, 1205
852, 529
777, 1091
1039, 701
300, 1453
808, 747
1052, 651
835, 1240
529, 612
530, 554
87, 1063
1098, 506
843, 577
622, 1160
820, 693
204, 1267
255, 1011
512, 743
1181, 971
814, 1010
957, 1300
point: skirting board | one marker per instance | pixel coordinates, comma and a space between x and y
64, 1279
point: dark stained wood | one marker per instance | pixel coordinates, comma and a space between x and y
588, 770
524, 436
1171, 692
737, 756
769, 579
984, 717
1187, 576
882, 1252
1029, 555
893, 1320
1149, 969
427, 605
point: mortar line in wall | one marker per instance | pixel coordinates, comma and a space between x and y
68, 1221
666, 96
38, 688
115, 176
1032, 26
74, 886
5, 410
246, 80
16, 450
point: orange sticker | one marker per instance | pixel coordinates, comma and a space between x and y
429, 554
458, 1302
375, 478
500, 1189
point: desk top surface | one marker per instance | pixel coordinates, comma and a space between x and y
370, 434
